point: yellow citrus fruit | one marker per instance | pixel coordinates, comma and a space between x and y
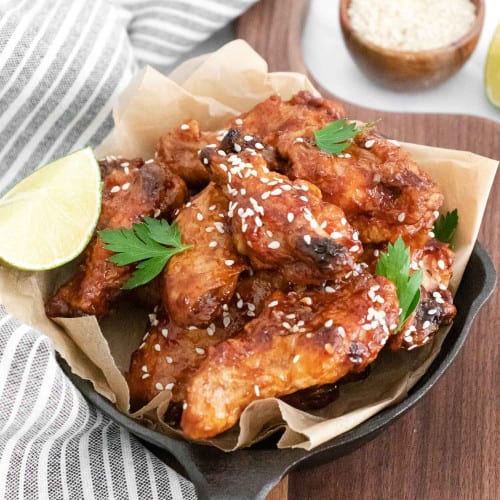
492, 70
50, 216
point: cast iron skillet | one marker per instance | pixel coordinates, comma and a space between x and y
252, 473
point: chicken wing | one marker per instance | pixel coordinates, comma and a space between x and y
436, 307
132, 189
170, 354
278, 223
179, 150
198, 281
298, 341
382, 191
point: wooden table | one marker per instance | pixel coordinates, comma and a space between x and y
448, 446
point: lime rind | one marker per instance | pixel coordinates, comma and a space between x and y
48, 218
492, 70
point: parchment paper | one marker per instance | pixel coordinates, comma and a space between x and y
212, 89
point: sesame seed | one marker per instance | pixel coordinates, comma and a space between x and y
274, 303
229, 262
329, 348
200, 351
369, 143
170, 386
149, 161
269, 233
258, 221
115, 189
329, 289
431, 312
238, 121
376, 253
211, 330
354, 248
296, 358
377, 178
431, 234
184, 126
290, 217
169, 360
307, 301
184, 405
441, 264
258, 145
205, 161
221, 153
146, 375
309, 335
343, 221
329, 323
307, 239
304, 198
401, 217
276, 192
336, 235
192, 327
144, 368
126, 170
248, 138
142, 345
426, 324
159, 386
199, 217
299, 140
124, 164
226, 321
157, 347
274, 245
256, 390
212, 244
164, 332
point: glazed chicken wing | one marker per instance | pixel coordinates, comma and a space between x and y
278, 223
132, 189
170, 354
179, 150
382, 191
298, 341
199, 280
435, 308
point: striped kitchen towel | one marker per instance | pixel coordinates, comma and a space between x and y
62, 63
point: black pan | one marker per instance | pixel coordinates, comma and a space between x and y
252, 473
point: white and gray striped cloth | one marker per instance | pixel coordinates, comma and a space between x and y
62, 62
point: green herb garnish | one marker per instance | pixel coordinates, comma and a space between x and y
144, 244
336, 137
395, 266
445, 226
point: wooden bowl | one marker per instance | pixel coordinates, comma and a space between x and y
405, 70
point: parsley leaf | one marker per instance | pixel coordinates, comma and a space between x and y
144, 244
395, 266
335, 137
445, 226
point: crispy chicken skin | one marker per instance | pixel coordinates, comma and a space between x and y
171, 354
198, 281
298, 341
144, 189
382, 191
179, 149
278, 223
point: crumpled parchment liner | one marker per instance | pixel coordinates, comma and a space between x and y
212, 89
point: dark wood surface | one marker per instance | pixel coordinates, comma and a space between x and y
448, 447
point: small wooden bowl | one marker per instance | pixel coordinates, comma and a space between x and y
404, 70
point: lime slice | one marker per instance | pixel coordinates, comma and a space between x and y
492, 70
49, 217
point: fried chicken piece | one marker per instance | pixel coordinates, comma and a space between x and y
278, 223
436, 307
273, 117
179, 150
382, 191
298, 341
198, 281
132, 189
171, 354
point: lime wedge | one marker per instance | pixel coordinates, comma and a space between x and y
492, 70
49, 217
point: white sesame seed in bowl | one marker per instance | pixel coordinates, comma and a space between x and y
411, 44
